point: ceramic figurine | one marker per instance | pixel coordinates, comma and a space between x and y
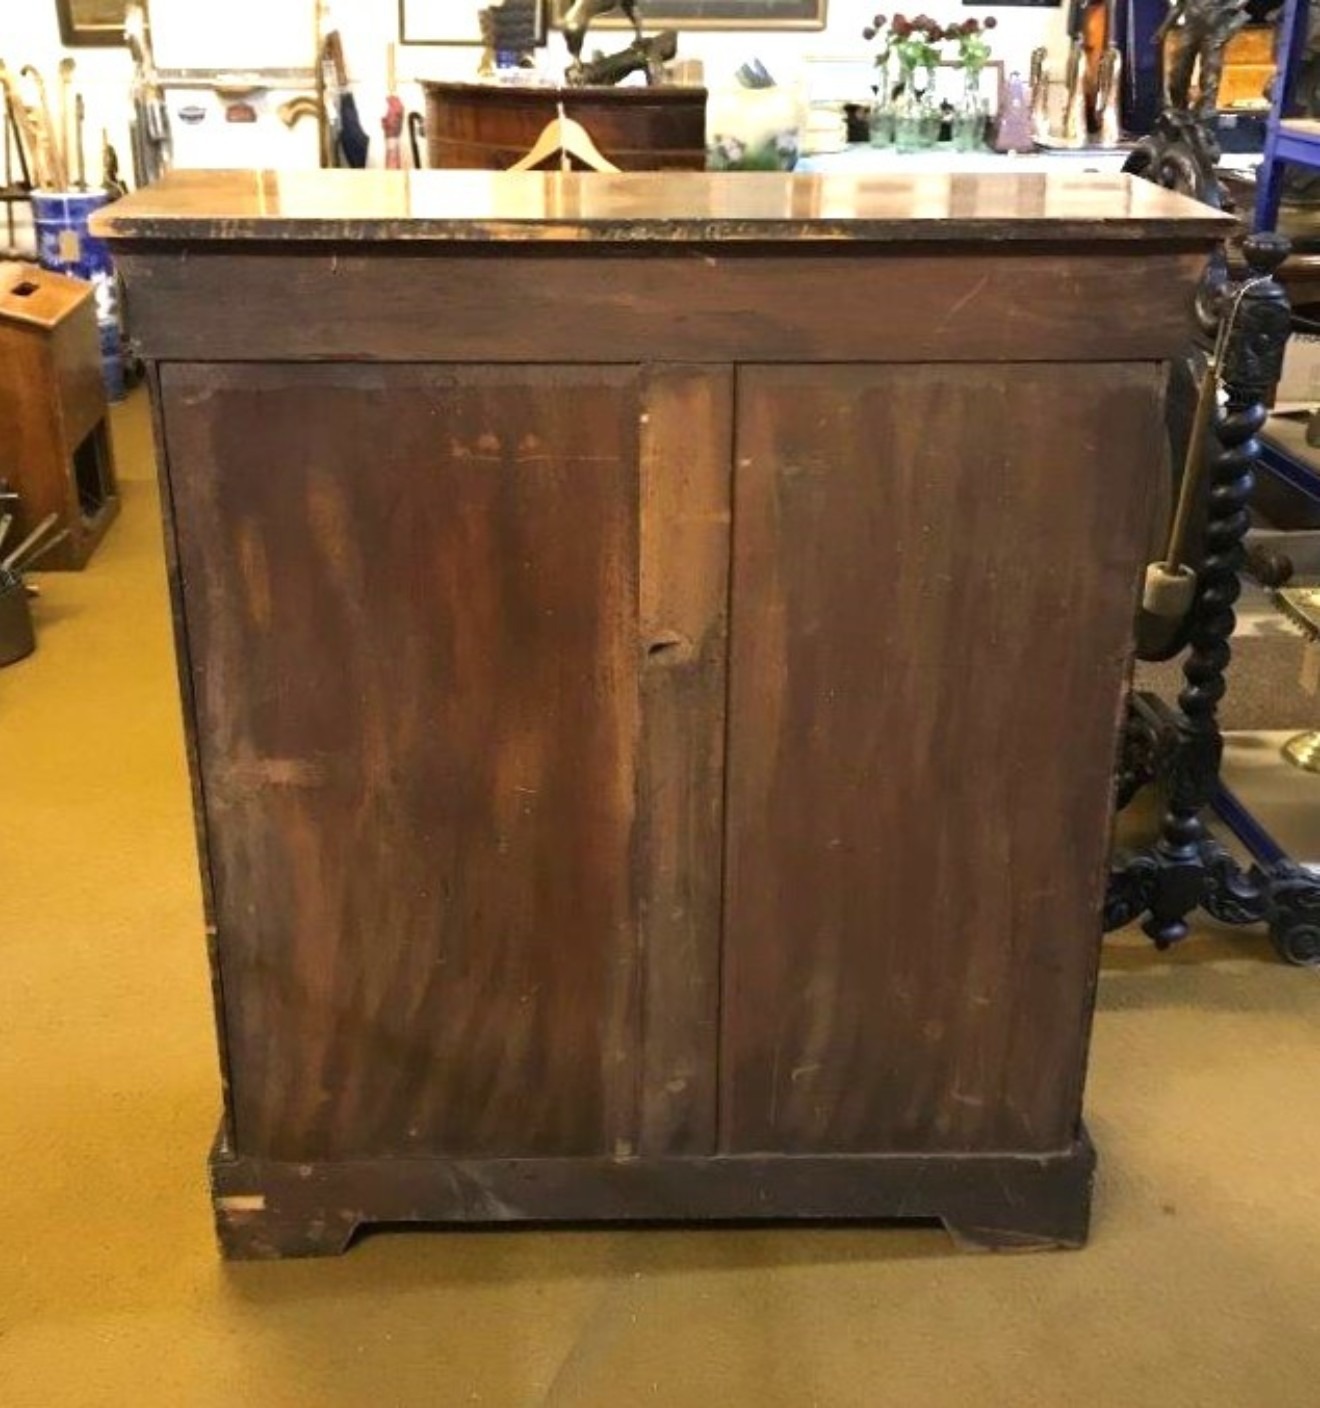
1014, 130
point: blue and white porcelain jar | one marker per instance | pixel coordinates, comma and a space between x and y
65, 245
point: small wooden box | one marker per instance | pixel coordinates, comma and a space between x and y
55, 445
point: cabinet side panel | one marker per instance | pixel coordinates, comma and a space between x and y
411, 605
933, 590
687, 439
182, 656
31, 445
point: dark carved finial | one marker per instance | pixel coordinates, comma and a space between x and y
1265, 252
1259, 321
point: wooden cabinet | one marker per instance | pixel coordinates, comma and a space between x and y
490, 126
653, 660
55, 445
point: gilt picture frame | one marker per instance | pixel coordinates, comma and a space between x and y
91, 23
451, 21
716, 14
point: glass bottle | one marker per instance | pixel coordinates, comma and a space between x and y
969, 120
881, 122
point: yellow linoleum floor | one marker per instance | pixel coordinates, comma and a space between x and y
1201, 1286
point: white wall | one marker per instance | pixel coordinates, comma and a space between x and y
1019, 30
29, 34
367, 27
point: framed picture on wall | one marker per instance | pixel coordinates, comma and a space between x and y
84, 22
717, 14
451, 21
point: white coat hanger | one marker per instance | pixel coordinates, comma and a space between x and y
569, 138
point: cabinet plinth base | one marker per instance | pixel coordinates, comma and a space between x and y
1007, 1202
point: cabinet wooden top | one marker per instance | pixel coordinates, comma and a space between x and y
678, 94
696, 207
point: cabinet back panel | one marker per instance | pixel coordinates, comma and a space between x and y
924, 717
409, 597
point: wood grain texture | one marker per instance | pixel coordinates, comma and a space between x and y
933, 588
32, 446
52, 398
653, 695
963, 305
39, 298
188, 701
687, 434
490, 126
76, 358
453, 153
410, 607
990, 1201
895, 210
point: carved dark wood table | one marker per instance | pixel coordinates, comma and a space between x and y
653, 651
1181, 747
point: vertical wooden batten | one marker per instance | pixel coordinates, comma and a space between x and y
687, 427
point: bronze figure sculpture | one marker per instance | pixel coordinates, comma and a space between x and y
578, 20
647, 56
1195, 34
1182, 151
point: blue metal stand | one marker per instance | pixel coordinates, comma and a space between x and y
1288, 141
1297, 476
